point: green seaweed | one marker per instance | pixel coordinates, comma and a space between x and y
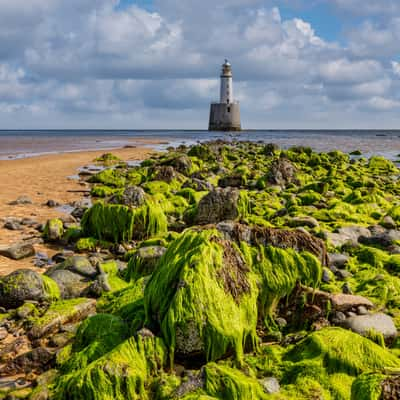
194, 299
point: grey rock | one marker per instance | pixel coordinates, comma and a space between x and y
308, 221
54, 229
80, 265
231, 181
338, 317
347, 235
270, 385
198, 184
21, 200
282, 172
362, 310
388, 222
52, 203
17, 251
232, 231
13, 226
382, 239
29, 222
132, 196
350, 314
338, 260
21, 285
394, 249
346, 302
363, 324
71, 285
281, 322
342, 274
219, 205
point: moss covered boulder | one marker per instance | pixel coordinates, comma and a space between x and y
209, 302
24, 284
54, 229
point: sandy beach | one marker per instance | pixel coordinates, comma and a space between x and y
41, 179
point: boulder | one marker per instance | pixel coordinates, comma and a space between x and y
18, 251
22, 285
132, 196
282, 172
379, 322
218, 205
232, 181
54, 229
13, 226
71, 285
80, 265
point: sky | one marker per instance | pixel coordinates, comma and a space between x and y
155, 64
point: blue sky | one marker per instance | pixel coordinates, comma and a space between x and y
155, 63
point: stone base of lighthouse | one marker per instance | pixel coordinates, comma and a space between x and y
224, 117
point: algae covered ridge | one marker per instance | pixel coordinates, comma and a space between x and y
231, 270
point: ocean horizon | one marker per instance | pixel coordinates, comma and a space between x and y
25, 143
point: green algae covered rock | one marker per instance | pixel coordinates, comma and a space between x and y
120, 374
54, 229
95, 337
24, 284
121, 223
209, 301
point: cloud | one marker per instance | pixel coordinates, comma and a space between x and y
86, 62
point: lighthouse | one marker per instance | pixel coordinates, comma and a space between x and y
225, 115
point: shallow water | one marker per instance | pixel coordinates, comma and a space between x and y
20, 144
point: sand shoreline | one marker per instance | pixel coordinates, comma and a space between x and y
43, 178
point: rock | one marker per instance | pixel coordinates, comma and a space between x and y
394, 249
310, 222
198, 184
60, 339
26, 310
29, 222
145, 260
270, 385
232, 181
165, 173
52, 203
379, 322
270, 149
54, 229
36, 359
388, 222
182, 164
345, 302
326, 275
13, 226
22, 285
338, 318
381, 239
338, 260
218, 205
281, 322
234, 231
61, 257
79, 264
21, 200
282, 172
53, 320
71, 285
347, 235
342, 274
3, 333
132, 196
17, 251
188, 340
362, 310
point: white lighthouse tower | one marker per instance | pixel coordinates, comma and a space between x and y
225, 115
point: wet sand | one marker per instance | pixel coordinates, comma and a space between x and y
43, 178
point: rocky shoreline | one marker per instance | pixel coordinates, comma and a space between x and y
224, 270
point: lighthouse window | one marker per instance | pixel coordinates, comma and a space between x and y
229, 109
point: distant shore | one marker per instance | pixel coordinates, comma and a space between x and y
43, 178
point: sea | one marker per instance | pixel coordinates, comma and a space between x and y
28, 143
